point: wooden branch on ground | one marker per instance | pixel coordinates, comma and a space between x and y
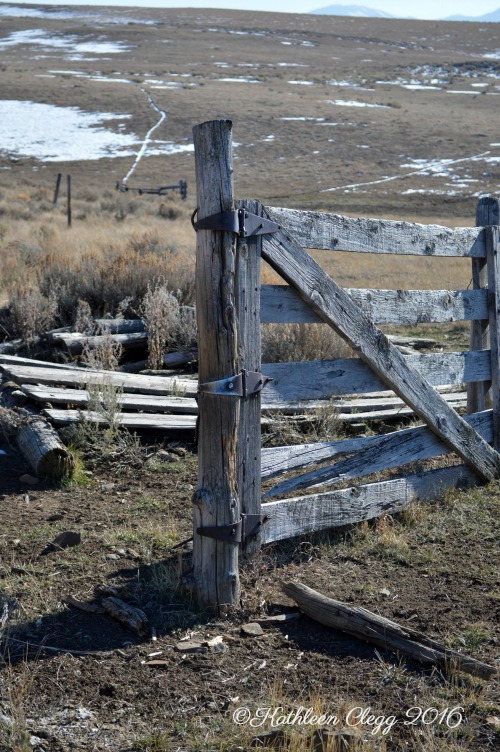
387, 634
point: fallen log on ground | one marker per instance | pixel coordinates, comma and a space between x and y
387, 634
42, 449
74, 342
38, 442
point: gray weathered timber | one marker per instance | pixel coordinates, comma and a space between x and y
81, 397
17, 360
280, 304
385, 403
302, 515
249, 354
215, 502
120, 326
151, 421
333, 232
337, 309
283, 459
41, 447
493, 262
487, 213
380, 631
385, 452
320, 379
74, 342
84, 377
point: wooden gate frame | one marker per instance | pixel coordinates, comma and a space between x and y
227, 502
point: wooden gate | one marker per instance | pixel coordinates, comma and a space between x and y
231, 239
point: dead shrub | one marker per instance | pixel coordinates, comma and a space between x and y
32, 312
105, 355
296, 342
166, 321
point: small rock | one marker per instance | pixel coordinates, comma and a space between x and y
493, 720
268, 621
30, 480
252, 629
190, 646
216, 644
384, 592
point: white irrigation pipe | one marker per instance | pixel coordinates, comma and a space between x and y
430, 166
147, 138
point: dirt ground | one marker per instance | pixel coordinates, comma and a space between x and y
72, 677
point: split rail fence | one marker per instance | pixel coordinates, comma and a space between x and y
232, 237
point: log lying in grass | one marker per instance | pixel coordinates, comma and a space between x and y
41, 447
74, 342
386, 634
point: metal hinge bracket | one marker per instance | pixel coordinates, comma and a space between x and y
248, 526
242, 222
243, 384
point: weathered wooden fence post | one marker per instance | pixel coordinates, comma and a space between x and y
479, 393
216, 504
249, 358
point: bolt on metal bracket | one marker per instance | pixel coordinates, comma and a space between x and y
243, 384
242, 222
246, 527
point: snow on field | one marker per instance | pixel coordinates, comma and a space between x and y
68, 42
63, 134
354, 103
16, 11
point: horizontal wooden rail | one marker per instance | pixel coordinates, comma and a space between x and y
320, 379
308, 514
384, 453
280, 304
334, 232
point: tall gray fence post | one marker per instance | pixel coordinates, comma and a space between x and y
479, 392
215, 503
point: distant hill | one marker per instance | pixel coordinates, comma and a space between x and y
493, 17
359, 11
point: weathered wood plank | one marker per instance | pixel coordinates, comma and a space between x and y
280, 304
17, 360
320, 379
215, 502
385, 452
308, 514
493, 262
337, 309
487, 213
151, 421
74, 342
126, 401
249, 358
338, 233
383, 632
283, 459
83, 377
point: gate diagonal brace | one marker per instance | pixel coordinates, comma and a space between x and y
242, 222
247, 527
244, 384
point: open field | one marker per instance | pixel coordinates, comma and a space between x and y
386, 118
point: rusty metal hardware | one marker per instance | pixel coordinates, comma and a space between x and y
246, 527
242, 222
243, 384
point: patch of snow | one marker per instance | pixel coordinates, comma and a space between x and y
69, 42
63, 134
354, 103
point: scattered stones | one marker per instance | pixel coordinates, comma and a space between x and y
268, 621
